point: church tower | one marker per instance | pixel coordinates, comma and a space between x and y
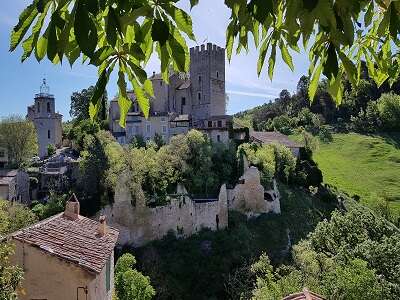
47, 122
207, 76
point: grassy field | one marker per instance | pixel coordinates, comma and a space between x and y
367, 166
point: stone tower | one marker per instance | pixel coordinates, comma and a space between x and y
47, 122
207, 76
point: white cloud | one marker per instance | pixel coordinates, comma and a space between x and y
250, 94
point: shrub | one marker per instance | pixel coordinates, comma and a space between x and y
389, 111
308, 174
283, 124
130, 283
51, 150
367, 120
325, 134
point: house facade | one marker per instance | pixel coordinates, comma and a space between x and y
274, 137
195, 100
14, 186
48, 123
66, 256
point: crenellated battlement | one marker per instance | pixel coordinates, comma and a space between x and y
206, 49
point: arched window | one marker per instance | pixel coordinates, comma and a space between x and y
48, 107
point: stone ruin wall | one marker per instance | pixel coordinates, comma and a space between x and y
183, 216
249, 196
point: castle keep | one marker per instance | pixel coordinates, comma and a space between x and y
194, 100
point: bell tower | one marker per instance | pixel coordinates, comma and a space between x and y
47, 122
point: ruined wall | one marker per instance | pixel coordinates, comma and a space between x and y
249, 196
140, 224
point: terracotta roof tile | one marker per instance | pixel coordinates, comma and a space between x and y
270, 137
76, 241
304, 295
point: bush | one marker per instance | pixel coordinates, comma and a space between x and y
389, 111
51, 150
325, 134
367, 121
284, 124
130, 283
308, 174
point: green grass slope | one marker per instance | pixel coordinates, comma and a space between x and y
368, 166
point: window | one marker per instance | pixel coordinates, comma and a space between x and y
48, 134
220, 123
148, 128
183, 101
38, 107
160, 82
217, 74
2, 153
218, 138
108, 274
48, 107
210, 124
164, 128
199, 79
199, 97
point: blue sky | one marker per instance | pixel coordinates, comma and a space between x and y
20, 81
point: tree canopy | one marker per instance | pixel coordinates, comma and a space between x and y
19, 137
122, 35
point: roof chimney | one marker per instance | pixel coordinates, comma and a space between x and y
72, 208
154, 74
103, 228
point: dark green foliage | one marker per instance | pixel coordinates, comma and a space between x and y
347, 257
308, 174
80, 102
54, 205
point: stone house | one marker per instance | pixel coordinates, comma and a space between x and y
14, 185
274, 137
48, 123
66, 257
189, 101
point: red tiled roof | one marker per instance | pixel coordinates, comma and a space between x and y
76, 241
270, 137
304, 295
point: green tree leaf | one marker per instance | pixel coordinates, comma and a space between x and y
314, 81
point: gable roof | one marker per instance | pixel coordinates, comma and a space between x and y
271, 137
75, 241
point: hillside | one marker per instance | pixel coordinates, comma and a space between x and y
367, 166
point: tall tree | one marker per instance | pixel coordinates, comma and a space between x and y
122, 35
19, 137
80, 103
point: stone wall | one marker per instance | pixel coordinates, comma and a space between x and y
140, 224
249, 196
